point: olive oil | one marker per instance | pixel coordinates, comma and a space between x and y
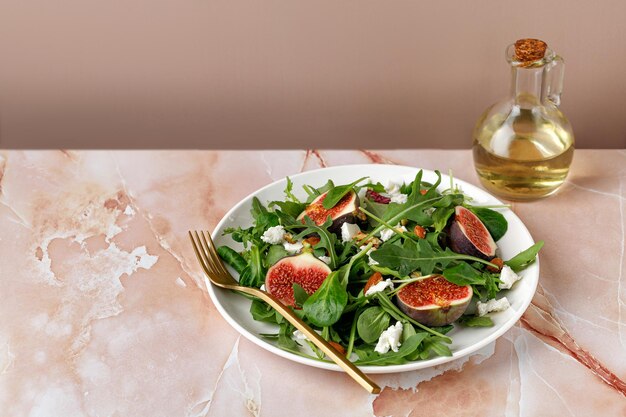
523, 146
525, 156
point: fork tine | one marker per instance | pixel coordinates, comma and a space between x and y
197, 247
212, 254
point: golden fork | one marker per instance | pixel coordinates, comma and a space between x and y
218, 275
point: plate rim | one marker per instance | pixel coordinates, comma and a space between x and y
410, 366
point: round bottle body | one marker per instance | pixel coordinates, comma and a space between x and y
522, 150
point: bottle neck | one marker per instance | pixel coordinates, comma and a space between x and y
526, 86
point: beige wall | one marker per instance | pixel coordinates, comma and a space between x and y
267, 73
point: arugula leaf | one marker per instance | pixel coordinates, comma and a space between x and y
290, 208
417, 255
232, 258
299, 294
327, 239
463, 274
495, 222
525, 258
263, 219
378, 187
325, 306
289, 192
473, 321
335, 194
434, 344
344, 271
371, 323
440, 218
243, 236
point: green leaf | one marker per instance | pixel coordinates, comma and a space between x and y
495, 222
262, 311
325, 306
327, 239
391, 357
263, 219
232, 258
463, 274
335, 194
525, 258
344, 271
473, 321
299, 294
371, 323
440, 218
289, 192
289, 208
254, 275
274, 254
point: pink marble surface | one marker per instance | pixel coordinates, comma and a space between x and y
103, 310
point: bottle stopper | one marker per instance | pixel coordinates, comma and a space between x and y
530, 50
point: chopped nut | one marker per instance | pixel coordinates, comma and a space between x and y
415, 274
496, 261
312, 240
404, 222
289, 238
419, 231
373, 280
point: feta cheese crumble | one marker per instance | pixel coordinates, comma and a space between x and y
380, 286
387, 233
274, 235
298, 335
349, 231
370, 260
492, 305
389, 339
507, 278
292, 248
393, 192
398, 198
325, 259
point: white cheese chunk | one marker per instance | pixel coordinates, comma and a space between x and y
387, 233
349, 231
325, 259
389, 339
380, 286
507, 278
274, 235
492, 305
292, 248
370, 260
398, 198
298, 335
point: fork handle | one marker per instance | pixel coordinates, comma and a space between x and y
350, 368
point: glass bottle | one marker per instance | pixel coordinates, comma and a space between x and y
523, 145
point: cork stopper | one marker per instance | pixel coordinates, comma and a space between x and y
530, 50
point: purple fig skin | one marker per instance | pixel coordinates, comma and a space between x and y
461, 243
434, 315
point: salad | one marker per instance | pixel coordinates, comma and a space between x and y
382, 272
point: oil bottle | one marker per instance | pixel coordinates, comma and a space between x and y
523, 146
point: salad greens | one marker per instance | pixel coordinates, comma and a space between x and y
340, 309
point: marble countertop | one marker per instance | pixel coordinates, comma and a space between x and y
103, 310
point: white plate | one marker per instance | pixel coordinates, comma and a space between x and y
235, 308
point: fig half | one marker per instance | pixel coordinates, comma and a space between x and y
305, 270
345, 211
434, 301
469, 236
